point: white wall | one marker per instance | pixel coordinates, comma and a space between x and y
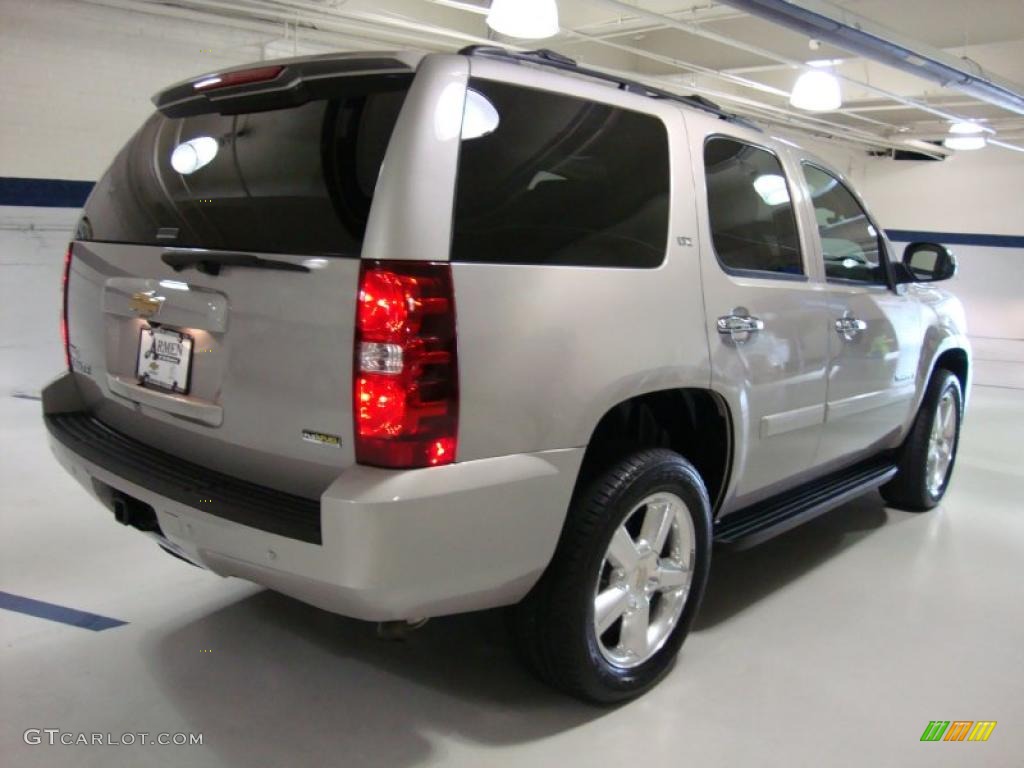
77, 82
32, 246
81, 78
979, 192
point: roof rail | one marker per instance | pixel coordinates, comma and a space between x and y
547, 58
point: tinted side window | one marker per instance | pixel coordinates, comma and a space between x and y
294, 180
752, 221
850, 244
550, 179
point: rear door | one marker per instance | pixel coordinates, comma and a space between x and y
214, 279
766, 316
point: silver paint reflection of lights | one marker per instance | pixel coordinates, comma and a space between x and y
189, 156
174, 285
479, 117
464, 113
816, 91
965, 136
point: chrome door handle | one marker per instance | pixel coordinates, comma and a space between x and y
739, 325
850, 327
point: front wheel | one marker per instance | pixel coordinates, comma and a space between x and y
607, 619
929, 453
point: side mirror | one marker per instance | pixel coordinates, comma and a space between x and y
927, 263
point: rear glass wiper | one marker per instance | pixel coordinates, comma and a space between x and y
213, 263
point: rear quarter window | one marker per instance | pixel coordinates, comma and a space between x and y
560, 181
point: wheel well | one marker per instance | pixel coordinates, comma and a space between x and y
954, 361
692, 422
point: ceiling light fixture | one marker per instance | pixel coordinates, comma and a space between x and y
965, 127
816, 91
965, 135
524, 19
964, 142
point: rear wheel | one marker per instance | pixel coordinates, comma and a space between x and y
929, 453
607, 619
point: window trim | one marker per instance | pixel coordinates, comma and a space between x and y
883, 250
761, 274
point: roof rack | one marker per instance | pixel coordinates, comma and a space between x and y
548, 58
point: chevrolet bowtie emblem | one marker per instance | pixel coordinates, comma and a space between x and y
145, 304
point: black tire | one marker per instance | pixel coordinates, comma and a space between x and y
909, 489
553, 625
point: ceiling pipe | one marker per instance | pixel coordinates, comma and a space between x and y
837, 26
370, 25
713, 73
758, 110
699, 31
772, 115
324, 16
1005, 145
765, 112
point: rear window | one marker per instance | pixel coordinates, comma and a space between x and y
550, 179
296, 180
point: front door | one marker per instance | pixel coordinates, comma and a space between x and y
766, 319
875, 339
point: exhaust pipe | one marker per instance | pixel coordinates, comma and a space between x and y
398, 631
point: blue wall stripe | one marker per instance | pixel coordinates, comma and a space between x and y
65, 193
60, 613
47, 193
956, 238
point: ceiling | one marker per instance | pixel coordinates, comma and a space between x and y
747, 64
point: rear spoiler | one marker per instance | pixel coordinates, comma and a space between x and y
275, 84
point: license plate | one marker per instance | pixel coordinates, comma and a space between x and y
165, 359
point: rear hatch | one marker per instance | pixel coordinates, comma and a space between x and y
214, 277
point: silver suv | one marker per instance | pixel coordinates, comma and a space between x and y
408, 335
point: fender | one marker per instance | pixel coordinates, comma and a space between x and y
945, 331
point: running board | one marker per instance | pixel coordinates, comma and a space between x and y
766, 519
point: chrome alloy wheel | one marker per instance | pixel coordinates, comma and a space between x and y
941, 443
644, 580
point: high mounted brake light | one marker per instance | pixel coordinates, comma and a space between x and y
245, 77
405, 382
281, 85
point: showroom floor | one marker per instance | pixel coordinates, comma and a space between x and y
832, 645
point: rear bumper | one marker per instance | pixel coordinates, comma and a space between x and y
392, 544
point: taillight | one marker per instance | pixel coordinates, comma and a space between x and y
406, 381
64, 307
